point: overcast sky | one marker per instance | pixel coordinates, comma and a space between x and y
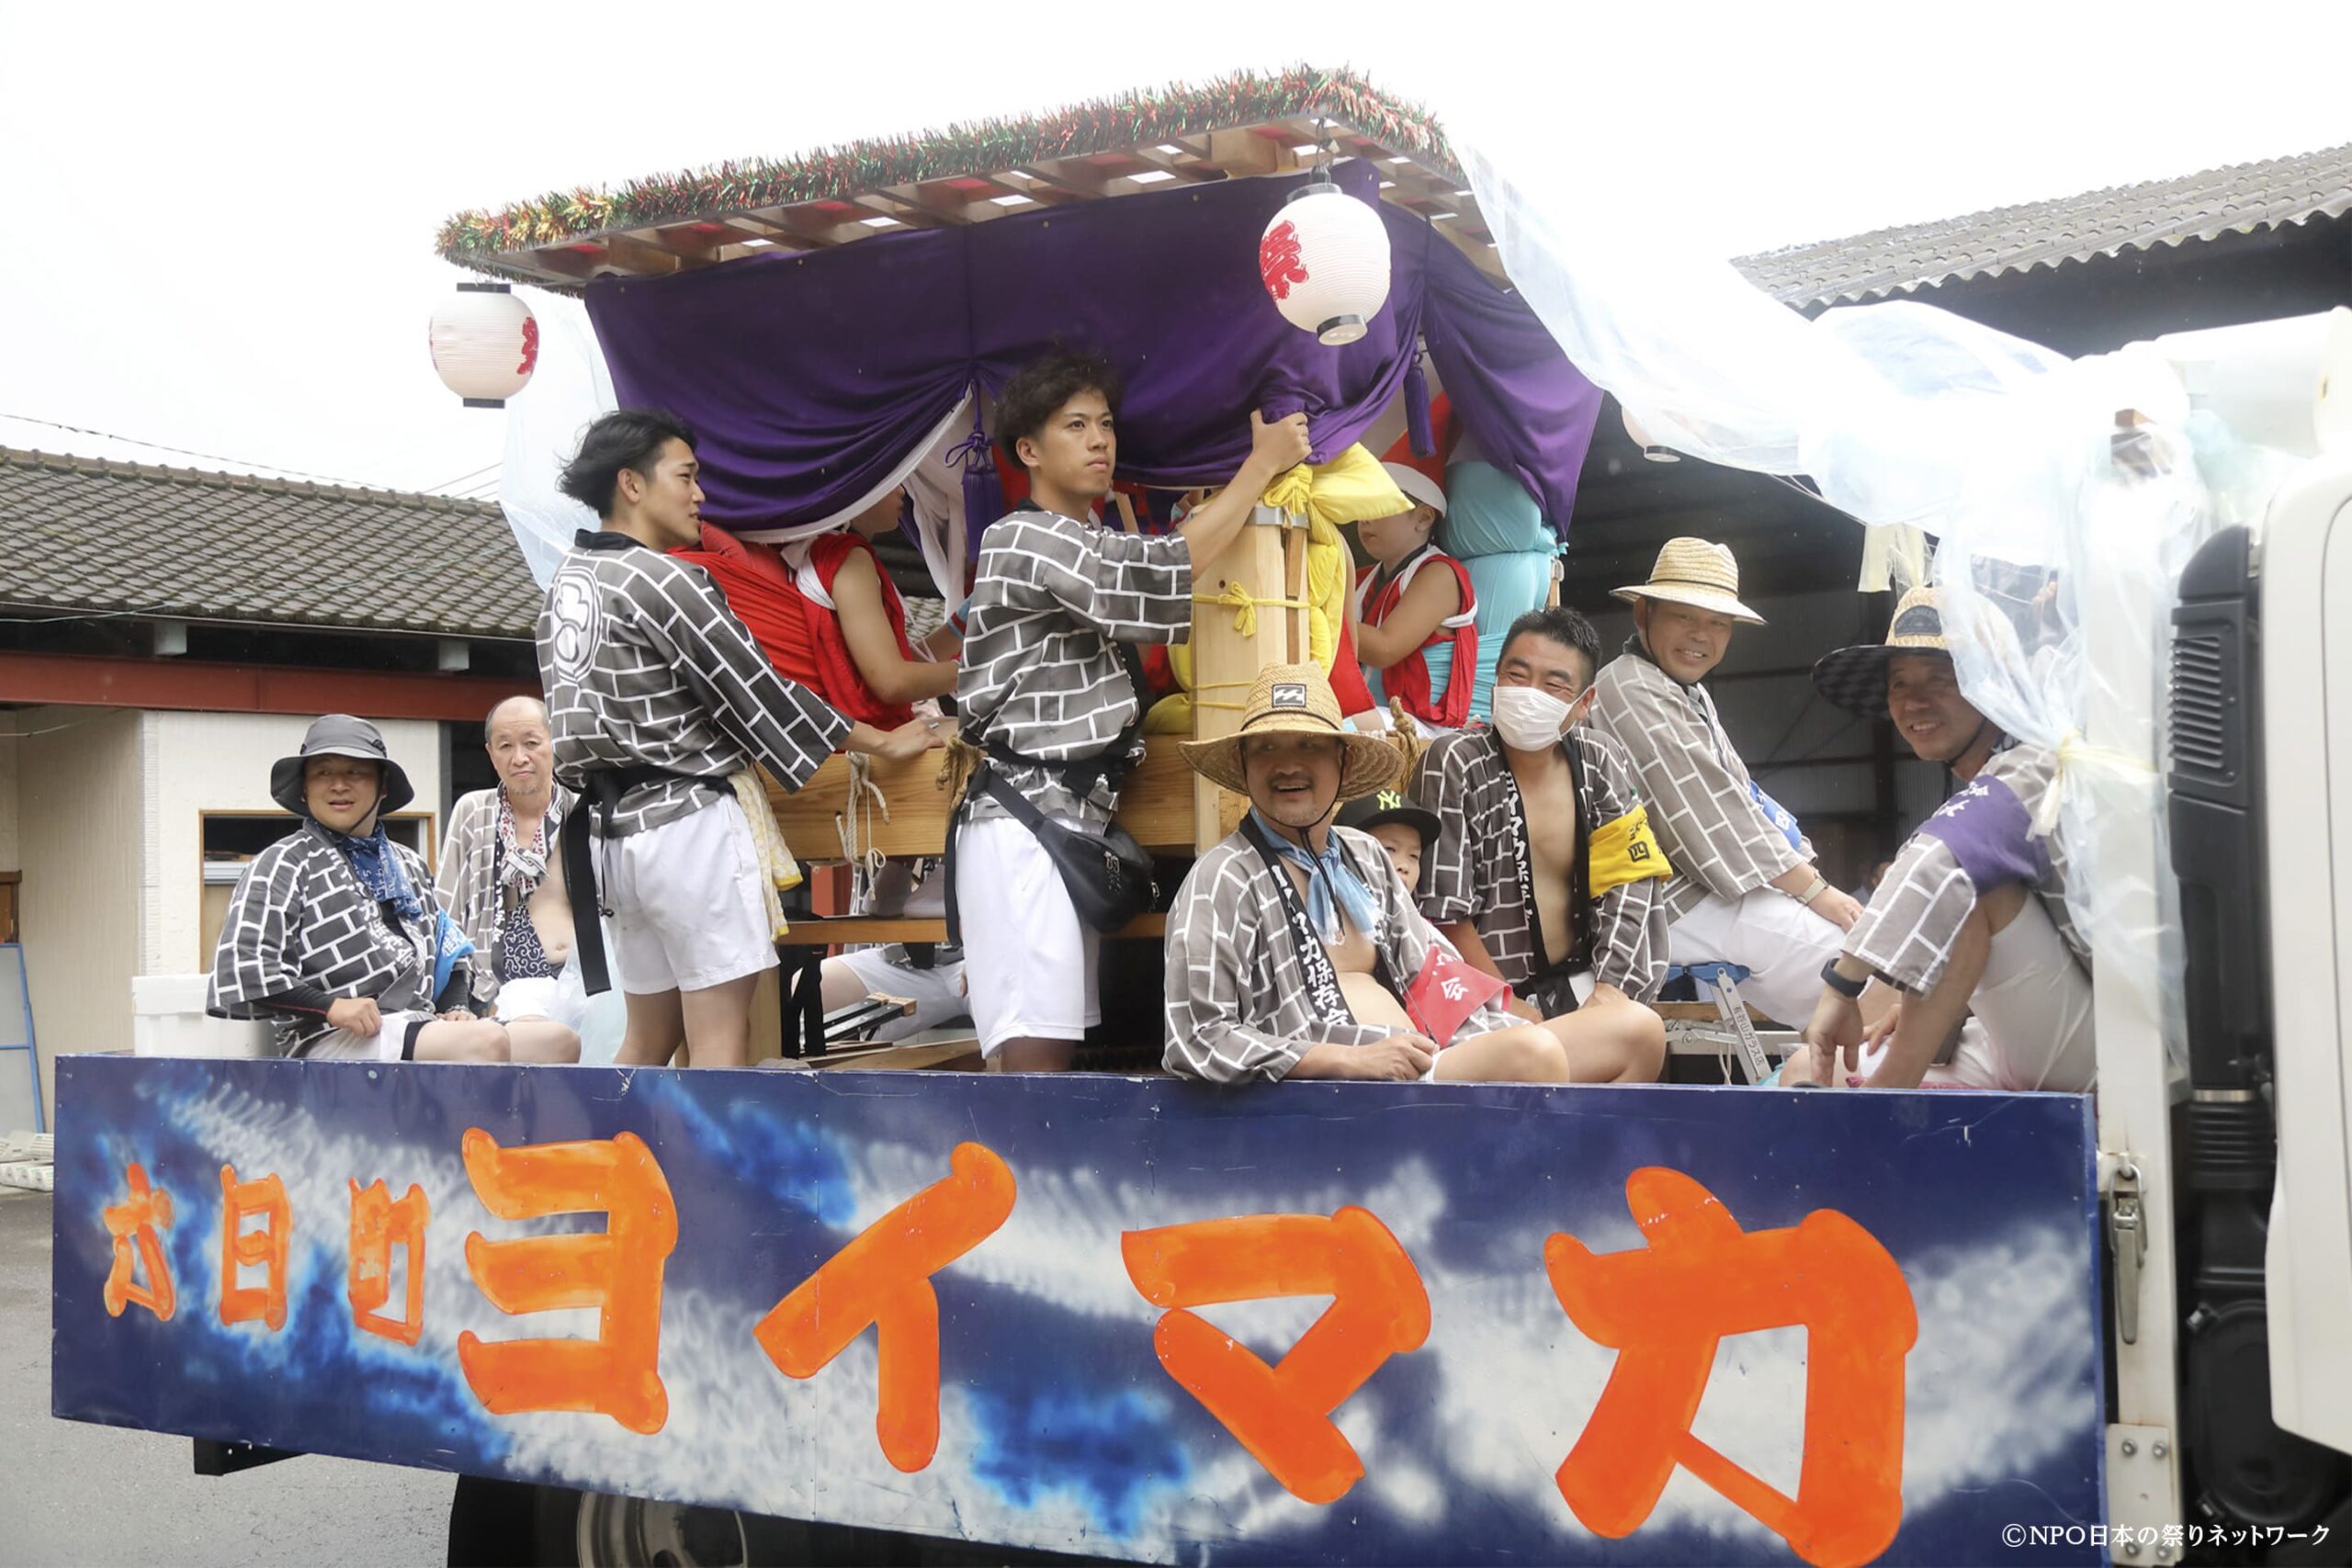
219, 218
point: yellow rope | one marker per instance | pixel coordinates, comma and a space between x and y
1244, 605
779, 872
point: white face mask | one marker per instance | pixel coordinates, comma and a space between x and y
1530, 718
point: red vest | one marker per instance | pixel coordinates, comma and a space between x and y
1409, 678
801, 635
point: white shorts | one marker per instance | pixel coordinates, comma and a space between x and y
1028, 960
390, 1044
559, 998
2033, 1028
687, 910
1781, 943
937, 992
2034, 1002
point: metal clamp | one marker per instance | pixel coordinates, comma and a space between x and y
2128, 1238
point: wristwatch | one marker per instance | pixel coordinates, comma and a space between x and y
1850, 989
1820, 885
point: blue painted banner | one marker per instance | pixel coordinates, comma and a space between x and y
1127, 1318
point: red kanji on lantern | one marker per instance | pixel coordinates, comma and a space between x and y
1280, 261
530, 347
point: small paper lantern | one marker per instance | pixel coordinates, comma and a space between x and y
1325, 260
485, 343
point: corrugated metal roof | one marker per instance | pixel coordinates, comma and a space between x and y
134, 538
2238, 197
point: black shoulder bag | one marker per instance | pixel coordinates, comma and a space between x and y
1111, 879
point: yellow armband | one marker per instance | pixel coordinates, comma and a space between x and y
1623, 851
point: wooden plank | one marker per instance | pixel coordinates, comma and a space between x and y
844, 931
1226, 659
1072, 174
1244, 153
559, 263
632, 255
1155, 807
936, 1055
909, 199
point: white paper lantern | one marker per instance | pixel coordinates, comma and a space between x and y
1325, 261
485, 343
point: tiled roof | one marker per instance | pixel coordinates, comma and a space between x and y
85, 533
2240, 196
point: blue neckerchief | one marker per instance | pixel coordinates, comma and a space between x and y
1328, 877
378, 871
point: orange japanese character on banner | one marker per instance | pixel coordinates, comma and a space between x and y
134, 1222
377, 1225
883, 1277
1664, 1307
264, 1248
1281, 1412
618, 1372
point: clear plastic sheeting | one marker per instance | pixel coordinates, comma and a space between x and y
543, 424
2065, 496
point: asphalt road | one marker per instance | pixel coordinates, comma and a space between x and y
78, 1494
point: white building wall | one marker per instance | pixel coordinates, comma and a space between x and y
8, 835
78, 783
199, 762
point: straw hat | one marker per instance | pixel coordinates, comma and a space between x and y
1855, 678
1698, 572
1419, 488
1296, 698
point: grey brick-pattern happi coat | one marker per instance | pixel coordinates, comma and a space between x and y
298, 916
1716, 836
468, 885
644, 665
1907, 933
1041, 669
1239, 1006
1473, 870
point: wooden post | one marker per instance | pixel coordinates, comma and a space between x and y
1225, 662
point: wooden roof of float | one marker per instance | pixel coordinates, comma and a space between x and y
1240, 126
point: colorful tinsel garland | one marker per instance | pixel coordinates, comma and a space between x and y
474, 239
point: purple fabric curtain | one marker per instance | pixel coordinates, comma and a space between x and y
809, 377
1510, 386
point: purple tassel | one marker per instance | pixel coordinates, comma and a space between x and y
983, 494
1417, 410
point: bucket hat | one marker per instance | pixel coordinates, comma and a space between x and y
339, 735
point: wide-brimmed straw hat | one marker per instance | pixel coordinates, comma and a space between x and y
1698, 572
1855, 678
339, 735
1295, 699
1419, 488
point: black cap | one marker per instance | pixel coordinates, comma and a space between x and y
1369, 811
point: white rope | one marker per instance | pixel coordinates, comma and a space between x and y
866, 863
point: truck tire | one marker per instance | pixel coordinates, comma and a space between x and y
634, 1532
497, 1524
